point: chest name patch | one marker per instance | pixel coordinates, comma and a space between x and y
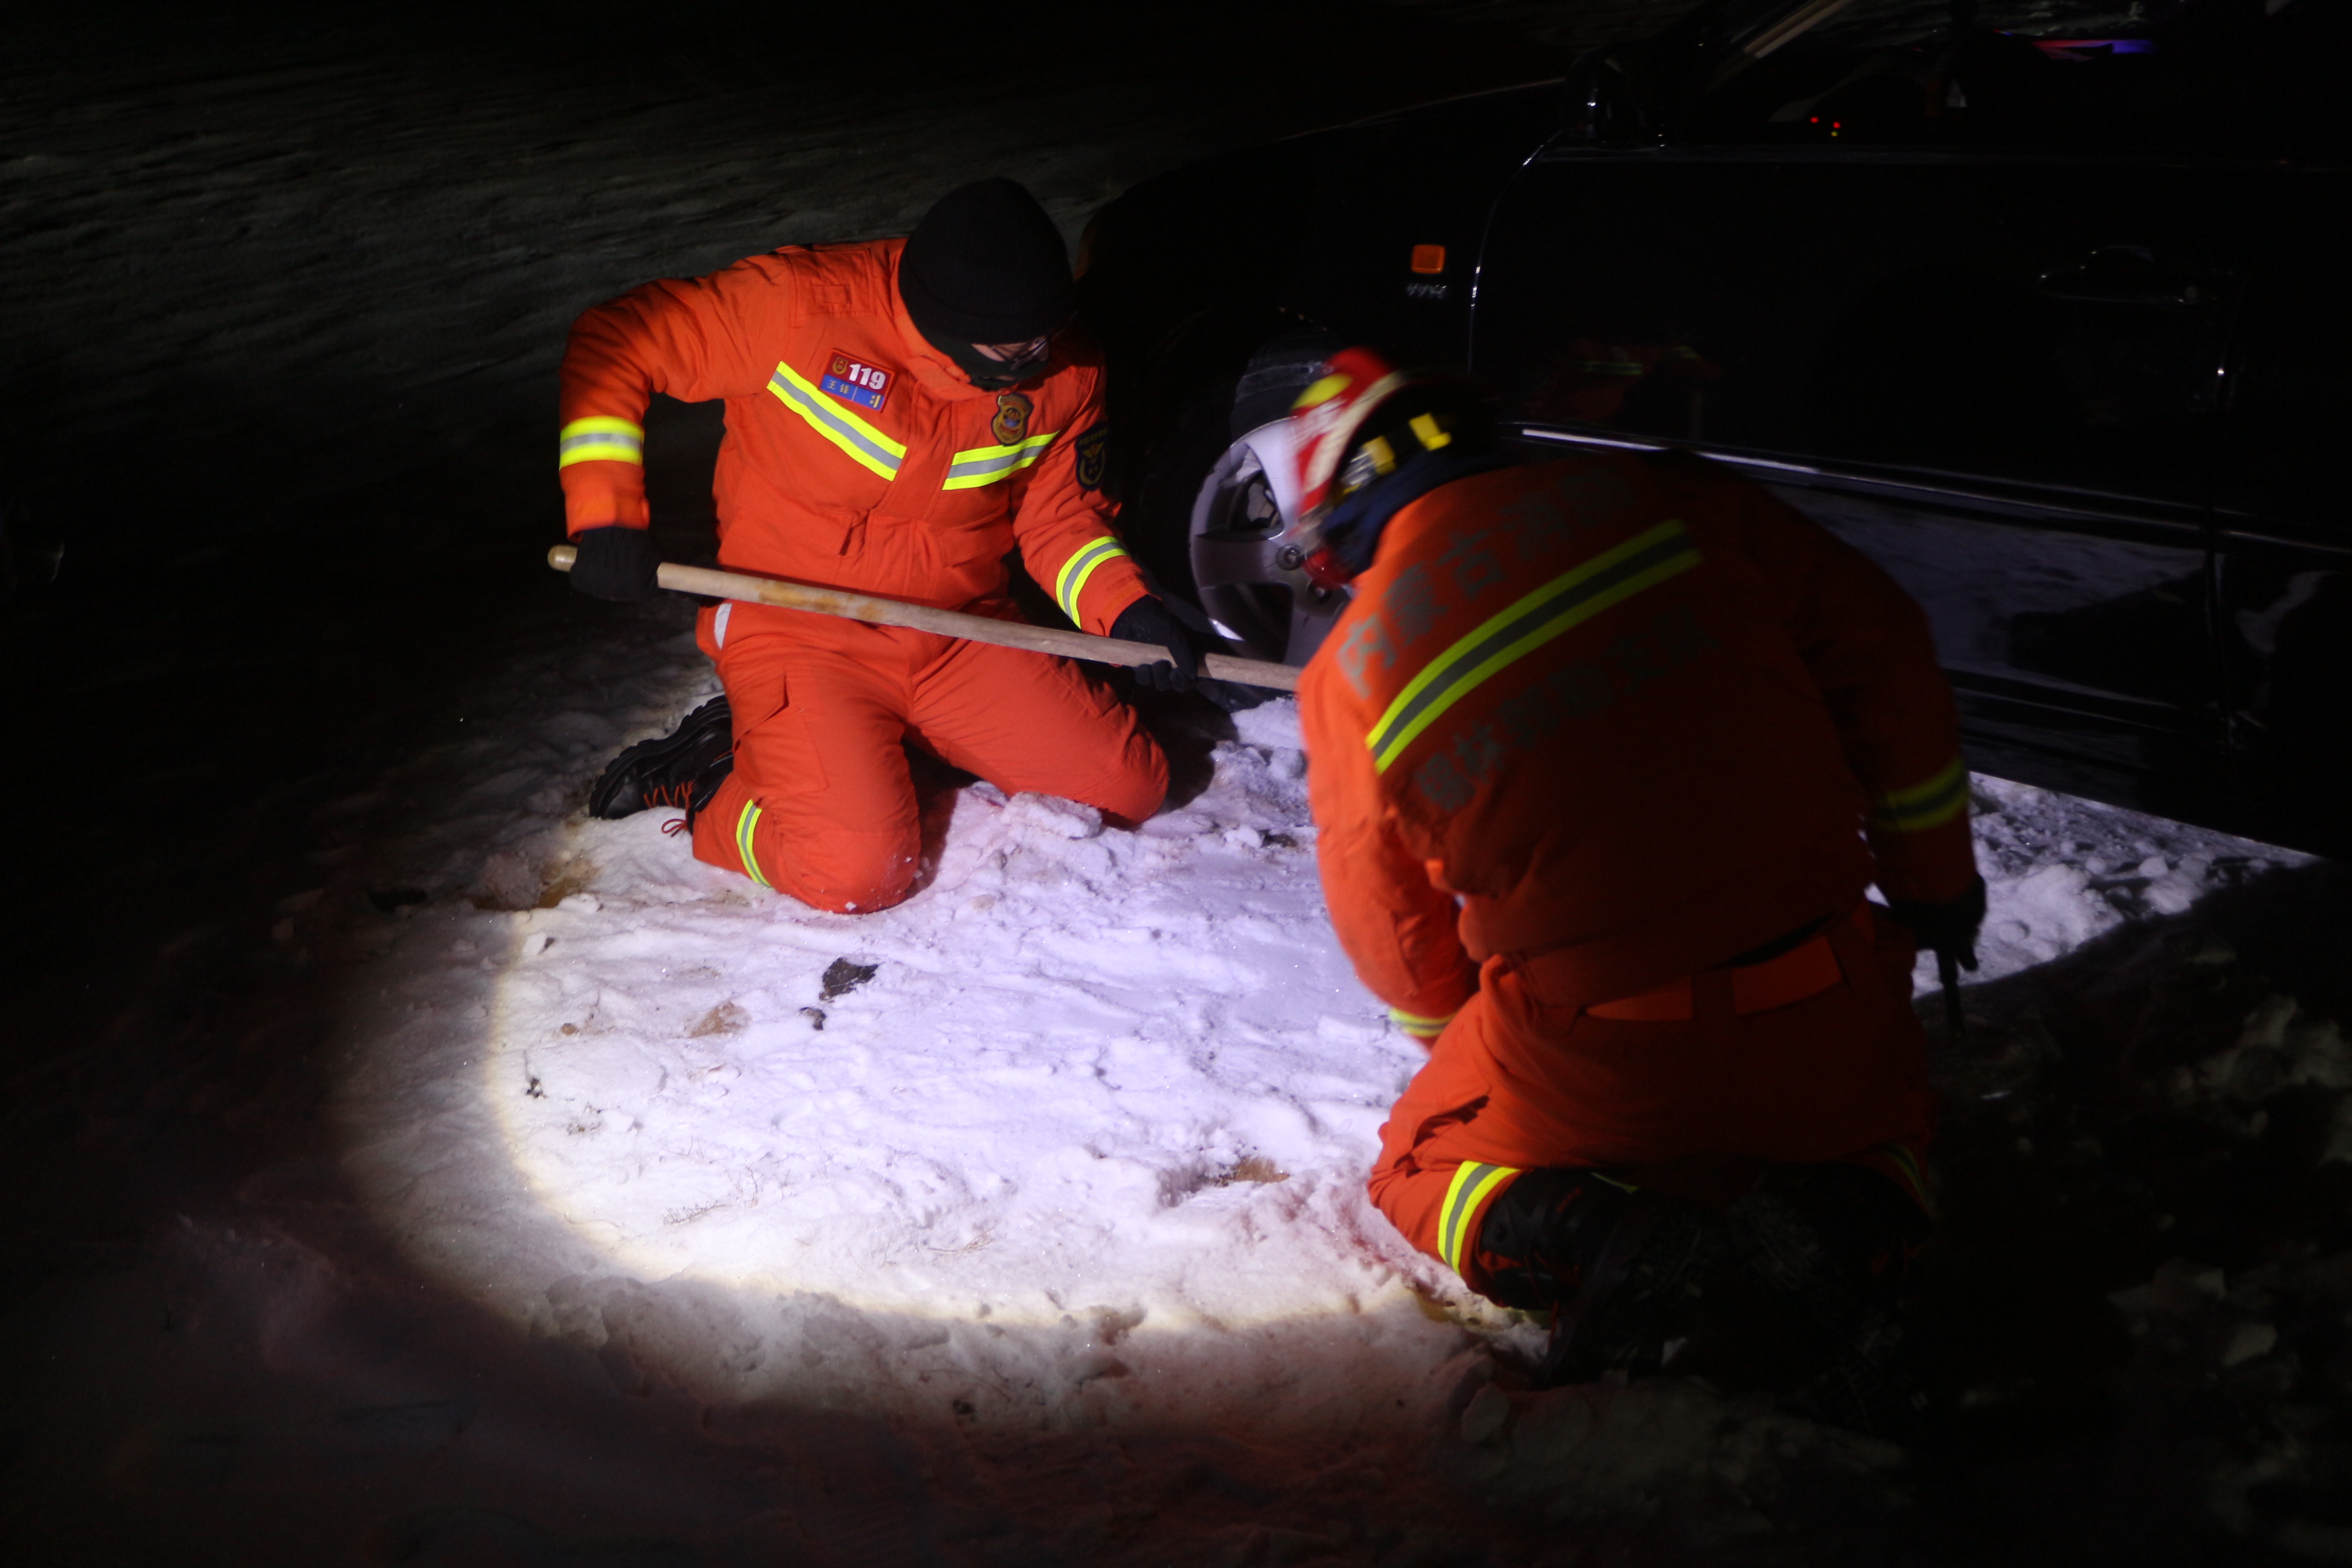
854, 381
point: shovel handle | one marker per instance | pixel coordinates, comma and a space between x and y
1956, 1023
866, 607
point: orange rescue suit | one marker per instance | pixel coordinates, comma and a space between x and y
1589, 730
857, 457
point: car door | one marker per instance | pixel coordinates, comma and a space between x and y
1957, 293
1994, 369
2286, 527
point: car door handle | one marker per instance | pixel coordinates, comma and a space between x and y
2127, 275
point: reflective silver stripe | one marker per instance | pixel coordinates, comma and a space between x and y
718, 623
1471, 1183
1070, 581
1566, 601
747, 823
599, 439
985, 465
1927, 805
1908, 1162
852, 434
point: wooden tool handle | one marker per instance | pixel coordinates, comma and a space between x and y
878, 612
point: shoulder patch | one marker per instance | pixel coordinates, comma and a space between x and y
1093, 457
852, 380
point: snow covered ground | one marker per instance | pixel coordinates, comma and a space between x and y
1123, 1084
1082, 1125
1073, 1141
1046, 1241
329, 1243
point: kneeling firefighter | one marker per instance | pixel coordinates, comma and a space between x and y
900, 415
1602, 756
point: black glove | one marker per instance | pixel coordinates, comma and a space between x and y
1147, 620
1949, 928
617, 562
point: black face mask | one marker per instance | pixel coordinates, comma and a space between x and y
989, 374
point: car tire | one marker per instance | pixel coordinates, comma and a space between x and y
1208, 517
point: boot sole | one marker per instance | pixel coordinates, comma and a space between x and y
620, 789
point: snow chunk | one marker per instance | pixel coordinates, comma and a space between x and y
1053, 815
2277, 1049
1272, 725
2178, 1288
2249, 1341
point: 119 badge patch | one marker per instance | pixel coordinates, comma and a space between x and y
855, 381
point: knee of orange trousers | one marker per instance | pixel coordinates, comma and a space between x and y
1127, 784
1134, 786
1435, 1128
840, 870
1028, 724
1413, 1197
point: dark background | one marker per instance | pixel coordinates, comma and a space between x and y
283, 289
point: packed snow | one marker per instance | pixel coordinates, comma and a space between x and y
1087, 1113
1090, 1102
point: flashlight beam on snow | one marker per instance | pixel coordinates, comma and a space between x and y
1100, 1089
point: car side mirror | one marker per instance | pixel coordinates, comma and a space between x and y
1611, 99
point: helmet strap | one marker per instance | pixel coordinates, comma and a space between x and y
1352, 533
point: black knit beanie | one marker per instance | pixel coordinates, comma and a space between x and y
986, 266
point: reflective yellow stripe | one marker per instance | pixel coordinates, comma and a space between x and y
1908, 1162
747, 821
838, 425
986, 465
1322, 392
1924, 806
1071, 579
1471, 1183
599, 439
1566, 602
1414, 1022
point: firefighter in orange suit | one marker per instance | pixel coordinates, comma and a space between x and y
900, 415
1602, 756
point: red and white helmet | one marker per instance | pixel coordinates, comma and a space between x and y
1340, 429
1325, 420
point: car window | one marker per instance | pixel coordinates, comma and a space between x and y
2284, 461
2142, 73
1889, 24
2029, 323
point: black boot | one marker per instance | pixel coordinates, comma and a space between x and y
1799, 1301
1832, 1242
683, 769
1646, 1278
1619, 1266
1790, 1292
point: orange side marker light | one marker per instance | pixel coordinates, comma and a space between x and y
1429, 258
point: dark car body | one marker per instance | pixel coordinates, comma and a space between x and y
2044, 317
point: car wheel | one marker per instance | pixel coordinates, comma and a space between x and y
1217, 512
1247, 563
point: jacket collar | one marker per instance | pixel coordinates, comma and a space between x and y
938, 373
